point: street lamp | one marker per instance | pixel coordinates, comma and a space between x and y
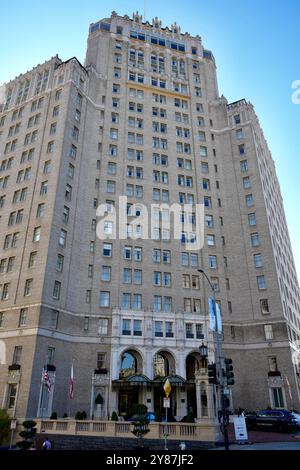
203, 351
218, 342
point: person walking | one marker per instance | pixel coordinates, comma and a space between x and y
47, 444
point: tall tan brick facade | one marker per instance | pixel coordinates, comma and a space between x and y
142, 118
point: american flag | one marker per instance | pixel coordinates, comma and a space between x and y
72, 384
46, 380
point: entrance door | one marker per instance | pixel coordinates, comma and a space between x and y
127, 398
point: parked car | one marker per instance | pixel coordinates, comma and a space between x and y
296, 415
273, 420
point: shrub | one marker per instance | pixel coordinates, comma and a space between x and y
4, 425
114, 416
54, 415
138, 409
83, 414
99, 399
28, 434
65, 415
78, 416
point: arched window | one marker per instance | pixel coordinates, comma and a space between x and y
128, 365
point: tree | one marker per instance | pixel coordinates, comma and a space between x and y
28, 434
140, 430
4, 425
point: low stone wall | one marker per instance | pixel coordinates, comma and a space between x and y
62, 442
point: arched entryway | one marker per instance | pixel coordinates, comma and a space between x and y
164, 367
192, 364
130, 382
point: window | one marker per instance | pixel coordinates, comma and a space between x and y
54, 319
244, 166
59, 263
56, 290
28, 287
268, 330
86, 324
258, 262
261, 282
106, 273
66, 214
32, 259
23, 317
101, 360
110, 187
212, 262
126, 326
157, 303
71, 170
44, 188
137, 327
36, 234
1, 319
107, 250
47, 167
277, 396
209, 221
210, 240
239, 134
50, 356
249, 200
40, 211
68, 192
158, 329
189, 331
252, 219
11, 396
62, 238
264, 307
104, 299
103, 326
272, 360
255, 241
50, 147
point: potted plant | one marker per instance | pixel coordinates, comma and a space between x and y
99, 403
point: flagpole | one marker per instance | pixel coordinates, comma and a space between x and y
71, 384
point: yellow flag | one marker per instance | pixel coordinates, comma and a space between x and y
167, 388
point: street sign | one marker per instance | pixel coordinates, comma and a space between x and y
240, 428
166, 402
226, 391
13, 424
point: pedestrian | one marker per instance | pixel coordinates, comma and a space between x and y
47, 444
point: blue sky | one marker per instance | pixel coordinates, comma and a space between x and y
255, 43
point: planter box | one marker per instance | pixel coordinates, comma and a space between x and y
14, 367
100, 371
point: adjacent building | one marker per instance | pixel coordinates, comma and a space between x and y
142, 118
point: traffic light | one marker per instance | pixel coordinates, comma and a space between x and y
212, 373
229, 371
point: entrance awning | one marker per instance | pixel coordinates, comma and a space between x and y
175, 381
132, 381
